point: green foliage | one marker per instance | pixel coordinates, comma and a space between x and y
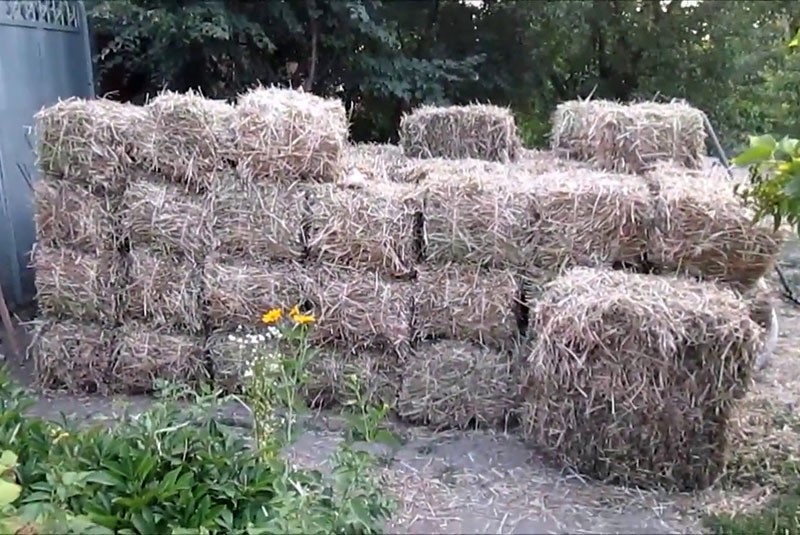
173, 469
781, 516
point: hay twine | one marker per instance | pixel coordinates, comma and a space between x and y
457, 132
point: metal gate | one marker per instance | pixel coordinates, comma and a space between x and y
45, 55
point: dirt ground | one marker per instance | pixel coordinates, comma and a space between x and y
482, 482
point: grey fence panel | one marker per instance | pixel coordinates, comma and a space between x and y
44, 57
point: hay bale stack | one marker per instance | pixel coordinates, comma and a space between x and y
190, 139
288, 135
258, 222
457, 132
142, 356
163, 291
357, 308
378, 162
88, 142
448, 384
369, 227
237, 293
629, 137
633, 377
78, 286
72, 356
468, 304
702, 230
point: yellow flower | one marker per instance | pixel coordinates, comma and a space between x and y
295, 311
303, 319
271, 316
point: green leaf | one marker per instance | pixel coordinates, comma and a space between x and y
384, 436
753, 155
787, 146
8, 459
763, 141
102, 478
794, 43
9, 492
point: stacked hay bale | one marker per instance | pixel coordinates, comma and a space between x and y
629, 137
460, 132
84, 151
184, 152
633, 377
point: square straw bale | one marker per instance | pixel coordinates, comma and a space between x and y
284, 134
69, 215
79, 286
703, 230
142, 356
259, 221
472, 215
358, 308
238, 293
376, 372
72, 356
449, 384
378, 161
165, 218
163, 290
191, 140
630, 137
539, 162
632, 378
456, 132
468, 304
371, 227
587, 218
88, 142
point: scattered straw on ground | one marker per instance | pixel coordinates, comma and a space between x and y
629, 137
370, 227
586, 218
633, 377
87, 141
238, 294
456, 384
457, 132
469, 304
358, 308
472, 216
377, 161
702, 230
68, 215
259, 222
163, 290
283, 134
72, 356
164, 218
191, 140
76, 285
376, 372
143, 356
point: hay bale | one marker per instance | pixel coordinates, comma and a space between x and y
472, 215
258, 222
87, 142
165, 218
586, 218
283, 134
358, 308
371, 227
191, 141
72, 356
68, 215
143, 356
448, 384
630, 137
79, 286
163, 290
236, 293
633, 377
702, 230
378, 162
468, 304
377, 371
457, 132
538, 162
